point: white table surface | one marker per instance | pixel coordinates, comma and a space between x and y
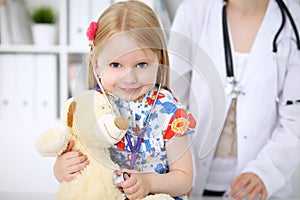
49, 196
26, 196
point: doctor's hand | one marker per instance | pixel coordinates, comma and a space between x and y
69, 164
248, 185
137, 185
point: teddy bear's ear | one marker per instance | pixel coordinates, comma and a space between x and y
65, 111
72, 108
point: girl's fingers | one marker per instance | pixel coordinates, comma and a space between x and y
70, 146
70, 155
77, 164
128, 183
134, 191
72, 176
74, 158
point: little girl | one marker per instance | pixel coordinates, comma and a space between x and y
129, 59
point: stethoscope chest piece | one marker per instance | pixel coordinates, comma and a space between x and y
233, 88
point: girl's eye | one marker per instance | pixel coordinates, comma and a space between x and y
115, 65
142, 65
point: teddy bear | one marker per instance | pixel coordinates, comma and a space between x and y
93, 126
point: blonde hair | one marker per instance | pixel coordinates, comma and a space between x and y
137, 16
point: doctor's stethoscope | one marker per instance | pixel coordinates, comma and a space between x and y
233, 87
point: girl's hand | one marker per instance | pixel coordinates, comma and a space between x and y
248, 185
137, 185
69, 164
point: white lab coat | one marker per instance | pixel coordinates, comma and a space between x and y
268, 134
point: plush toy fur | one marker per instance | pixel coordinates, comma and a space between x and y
89, 122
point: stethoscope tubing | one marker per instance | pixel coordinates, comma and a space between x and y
227, 46
284, 10
233, 84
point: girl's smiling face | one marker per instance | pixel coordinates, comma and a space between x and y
127, 70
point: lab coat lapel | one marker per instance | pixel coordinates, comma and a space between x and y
263, 43
213, 38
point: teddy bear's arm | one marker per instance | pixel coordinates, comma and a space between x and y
52, 142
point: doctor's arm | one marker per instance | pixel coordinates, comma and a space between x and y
278, 159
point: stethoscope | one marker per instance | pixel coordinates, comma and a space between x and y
141, 132
233, 88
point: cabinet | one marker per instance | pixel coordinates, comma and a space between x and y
24, 170
62, 50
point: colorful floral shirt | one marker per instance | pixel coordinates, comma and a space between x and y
168, 119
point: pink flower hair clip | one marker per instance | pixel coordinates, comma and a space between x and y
91, 32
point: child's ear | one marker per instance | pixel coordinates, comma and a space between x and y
93, 60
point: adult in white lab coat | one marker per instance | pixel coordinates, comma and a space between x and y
268, 134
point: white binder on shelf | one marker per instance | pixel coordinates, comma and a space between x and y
24, 79
20, 22
46, 86
80, 17
78, 23
4, 23
7, 86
